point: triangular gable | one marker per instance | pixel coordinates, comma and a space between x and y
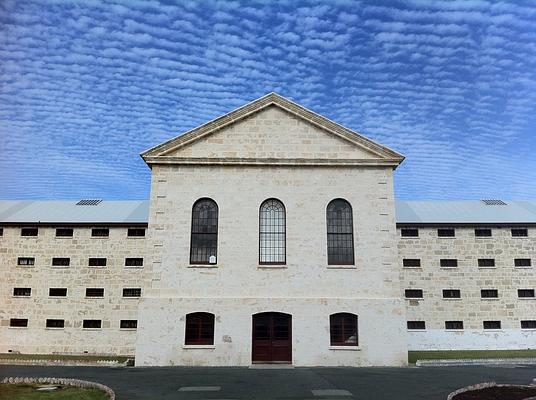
212, 143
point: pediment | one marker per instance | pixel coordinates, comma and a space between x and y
272, 130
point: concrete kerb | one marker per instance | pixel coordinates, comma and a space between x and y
484, 386
61, 381
482, 361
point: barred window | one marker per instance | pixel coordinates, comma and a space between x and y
482, 232
64, 232
128, 324
97, 262
61, 262
272, 232
453, 325
411, 262
409, 232
92, 324
448, 263
340, 233
100, 232
199, 329
94, 292
451, 294
522, 262
489, 293
133, 262
492, 324
413, 293
525, 293
26, 261
136, 232
528, 324
486, 262
204, 235
18, 291
343, 329
29, 231
132, 292
446, 232
55, 323
416, 325
520, 232
57, 292
18, 322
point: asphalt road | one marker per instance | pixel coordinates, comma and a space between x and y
178, 383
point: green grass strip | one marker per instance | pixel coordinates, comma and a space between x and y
413, 356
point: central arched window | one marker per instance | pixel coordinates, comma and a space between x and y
199, 329
343, 329
204, 239
272, 232
340, 233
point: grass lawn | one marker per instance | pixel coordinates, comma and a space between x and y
16, 356
413, 356
28, 392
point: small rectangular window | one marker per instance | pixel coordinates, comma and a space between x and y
413, 293
451, 294
61, 262
133, 262
522, 262
57, 292
26, 261
448, 263
416, 325
486, 262
29, 231
55, 323
520, 232
129, 324
100, 232
528, 324
64, 232
411, 262
409, 232
453, 325
489, 293
94, 292
92, 324
18, 322
525, 293
132, 292
482, 232
446, 232
1, 231
136, 232
97, 262
492, 324
19, 291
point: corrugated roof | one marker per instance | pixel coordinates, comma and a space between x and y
68, 212
137, 211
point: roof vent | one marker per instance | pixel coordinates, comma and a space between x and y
493, 202
88, 202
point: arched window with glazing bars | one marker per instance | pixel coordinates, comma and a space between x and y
272, 232
340, 229
204, 234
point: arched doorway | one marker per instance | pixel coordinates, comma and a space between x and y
272, 338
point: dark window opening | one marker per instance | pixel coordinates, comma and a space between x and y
94, 292
128, 324
409, 232
492, 324
92, 324
133, 262
525, 292
64, 232
97, 262
22, 291
340, 233
446, 232
1, 231
57, 292
61, 262
204, 232
29, 231
520, 232
132, 292
343, 329
528, 324
489, 293
453, 325
416, 325
482, 232
100, 232
272, 232
55, 323
486, 262
136, 232
18, 322
411, 262
522, 262
448, 263
413, 293
451, 294
199, 329
26, 261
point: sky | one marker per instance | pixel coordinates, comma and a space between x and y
86, 86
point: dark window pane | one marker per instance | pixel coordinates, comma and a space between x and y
522, 262
137, 232
451, 294
92, 324
132, 292
64, 232
445, 232
58, 292
18, 322
94, 292
55, 323
492, 324
100, 232
448, 263
530, 324
204, 234
486, 262
525, 292
22, 291
343, 329
520, 232
29, 231
417, 325
272, 231
199, 329
482, 232
411, 262
134, 262
129, 324
61, 262
409, 232
453, 324
26, 261
340, 233
97, 262
489, 293
413, 293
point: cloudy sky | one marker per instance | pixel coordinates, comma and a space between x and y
85, 86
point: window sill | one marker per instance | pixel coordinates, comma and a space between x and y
60, 266
63, 237
57, 297
528, 267
454, 299
453, 330
92, 329
25, 266
272, 266
198, 346
414, 298
447, 268
526, 298
128, 329
99, 237
97, 266
529, 329
489, 298
17, 327
342, 266
203, 266
345, 348
54, 329
21, 297
131, 297
487, 267
492, 330
94, 297
417, 268
416, 330
135, 237
133, 266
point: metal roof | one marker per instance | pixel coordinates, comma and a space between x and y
68, 212
137, 212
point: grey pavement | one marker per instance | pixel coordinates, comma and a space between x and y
187, 383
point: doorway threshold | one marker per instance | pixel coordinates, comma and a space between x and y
271, 366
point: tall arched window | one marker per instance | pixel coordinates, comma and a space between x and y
343, 329
199, 329
204, 239
340, 233
272, 232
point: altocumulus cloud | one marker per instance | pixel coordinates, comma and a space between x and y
85, 86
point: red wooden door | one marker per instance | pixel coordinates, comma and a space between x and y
272, 338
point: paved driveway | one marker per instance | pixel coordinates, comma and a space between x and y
178, 383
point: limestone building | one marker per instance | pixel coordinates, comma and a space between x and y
271, 235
